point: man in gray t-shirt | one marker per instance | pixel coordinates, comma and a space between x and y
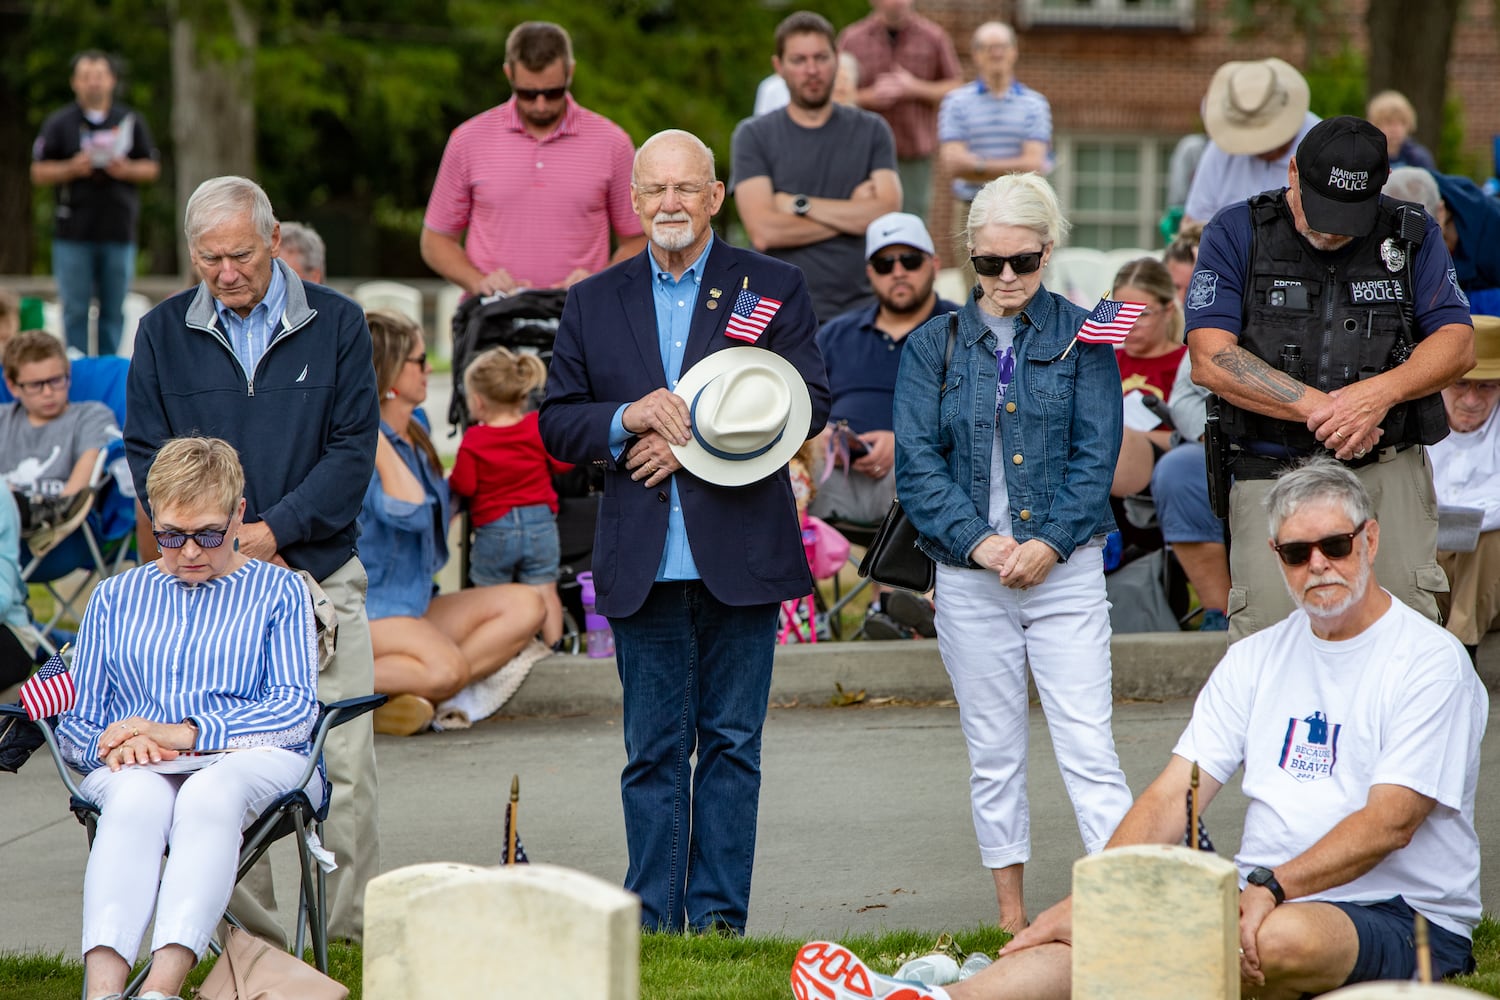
808, 179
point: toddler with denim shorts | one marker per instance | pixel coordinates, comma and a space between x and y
506, 475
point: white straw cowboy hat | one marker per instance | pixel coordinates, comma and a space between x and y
750, 413
1255, 107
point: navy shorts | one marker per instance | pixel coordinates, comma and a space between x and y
1388, 946
520, 547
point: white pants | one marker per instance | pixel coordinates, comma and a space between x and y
201, 816
988, 633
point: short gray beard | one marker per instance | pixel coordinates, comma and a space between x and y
672, 241
1357, 588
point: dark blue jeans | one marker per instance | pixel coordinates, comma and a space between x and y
83, 271
697, 677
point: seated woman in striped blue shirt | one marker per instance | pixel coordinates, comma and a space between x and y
200, 651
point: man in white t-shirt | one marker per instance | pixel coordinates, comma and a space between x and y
1358, 722
1466, 474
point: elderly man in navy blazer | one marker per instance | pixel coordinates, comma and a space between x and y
698, 539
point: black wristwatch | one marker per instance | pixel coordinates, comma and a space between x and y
1266, 878
800, 205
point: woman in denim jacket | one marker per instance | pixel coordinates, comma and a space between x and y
1016, 522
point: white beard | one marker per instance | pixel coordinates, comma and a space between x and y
1356, 593
674, 239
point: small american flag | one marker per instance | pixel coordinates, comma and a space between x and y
50, 690
1110, 322
751, 314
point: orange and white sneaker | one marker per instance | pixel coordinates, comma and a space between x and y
827, 971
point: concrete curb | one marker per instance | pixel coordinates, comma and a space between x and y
1147, 666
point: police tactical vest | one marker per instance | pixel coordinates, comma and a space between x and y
1329, 320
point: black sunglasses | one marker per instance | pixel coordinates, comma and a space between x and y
1334, 547
911, 261
208, 538
550, 93
1022, 263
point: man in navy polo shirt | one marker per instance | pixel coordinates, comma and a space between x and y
862, 351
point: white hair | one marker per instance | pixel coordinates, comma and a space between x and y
1024, 200
220, 199
303, 240
1414, 184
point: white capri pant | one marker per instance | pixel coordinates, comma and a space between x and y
201, 815
987, 634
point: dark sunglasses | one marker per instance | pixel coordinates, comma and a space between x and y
208, 538
419, 360
1022, 263
550, 93
887, 264
1334, 547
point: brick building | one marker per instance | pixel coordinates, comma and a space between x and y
1125, 78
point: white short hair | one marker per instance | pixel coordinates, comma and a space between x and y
220, 199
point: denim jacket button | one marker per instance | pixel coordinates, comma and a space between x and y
1016, 459
1010, 407
1025, 515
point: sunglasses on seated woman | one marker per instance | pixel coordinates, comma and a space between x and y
991, 266
208, 538
1334, 547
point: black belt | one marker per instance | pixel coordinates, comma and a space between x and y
1248, 465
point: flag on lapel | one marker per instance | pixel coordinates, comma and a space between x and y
1110, 322
50, 690
750, 316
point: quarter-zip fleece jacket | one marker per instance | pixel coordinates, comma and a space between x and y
304, 423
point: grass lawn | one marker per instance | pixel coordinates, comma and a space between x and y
673, 967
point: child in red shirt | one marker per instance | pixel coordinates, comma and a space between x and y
506, 475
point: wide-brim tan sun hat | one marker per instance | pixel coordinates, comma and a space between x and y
1486, 350
1256, 106
750, 412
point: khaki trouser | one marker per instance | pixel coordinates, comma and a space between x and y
351, 831
1400, 485
1473, 606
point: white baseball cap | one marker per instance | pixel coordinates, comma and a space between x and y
896, 229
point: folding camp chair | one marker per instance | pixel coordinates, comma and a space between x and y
292, 813
105, 542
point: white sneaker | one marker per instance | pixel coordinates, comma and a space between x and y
827, 971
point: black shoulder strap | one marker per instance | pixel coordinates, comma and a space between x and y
948, 353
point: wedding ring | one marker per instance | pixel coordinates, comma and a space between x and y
1360, 454
1338, 434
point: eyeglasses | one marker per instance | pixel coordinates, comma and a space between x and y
992, 266
419, 360
887, 264
547, 93
653, 192
56, 383
208, 538
1334, 547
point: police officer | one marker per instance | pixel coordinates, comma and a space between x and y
1326, 316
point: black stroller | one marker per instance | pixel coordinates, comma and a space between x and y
527, 322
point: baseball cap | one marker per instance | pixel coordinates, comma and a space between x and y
896, 229
1341, 167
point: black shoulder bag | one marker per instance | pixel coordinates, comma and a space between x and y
893, 558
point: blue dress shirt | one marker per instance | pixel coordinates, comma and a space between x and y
676, 298
251, 335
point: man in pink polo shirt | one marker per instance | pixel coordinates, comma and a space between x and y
529, 192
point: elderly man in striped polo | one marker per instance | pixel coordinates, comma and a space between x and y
528, 192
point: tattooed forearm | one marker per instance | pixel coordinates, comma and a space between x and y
1256, 377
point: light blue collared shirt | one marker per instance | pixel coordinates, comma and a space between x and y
675, 301
252, 335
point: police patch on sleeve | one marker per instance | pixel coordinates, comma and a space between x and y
1205, 288
1453, 280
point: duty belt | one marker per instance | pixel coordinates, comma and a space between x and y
1248, 465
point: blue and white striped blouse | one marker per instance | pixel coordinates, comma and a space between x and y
235, 654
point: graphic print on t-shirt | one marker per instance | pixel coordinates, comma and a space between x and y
1310, 749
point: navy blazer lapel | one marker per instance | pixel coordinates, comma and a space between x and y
639, 305
719, 275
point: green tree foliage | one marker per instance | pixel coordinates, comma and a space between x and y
355, 98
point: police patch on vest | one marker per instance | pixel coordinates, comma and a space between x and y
1204, 289
1393, 255
1457, 289
1375, 290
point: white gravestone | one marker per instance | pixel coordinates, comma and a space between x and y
1155, 922
439, 931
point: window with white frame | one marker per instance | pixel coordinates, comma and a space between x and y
1113, 188
1109, 13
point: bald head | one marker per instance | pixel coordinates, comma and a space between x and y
674, 140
